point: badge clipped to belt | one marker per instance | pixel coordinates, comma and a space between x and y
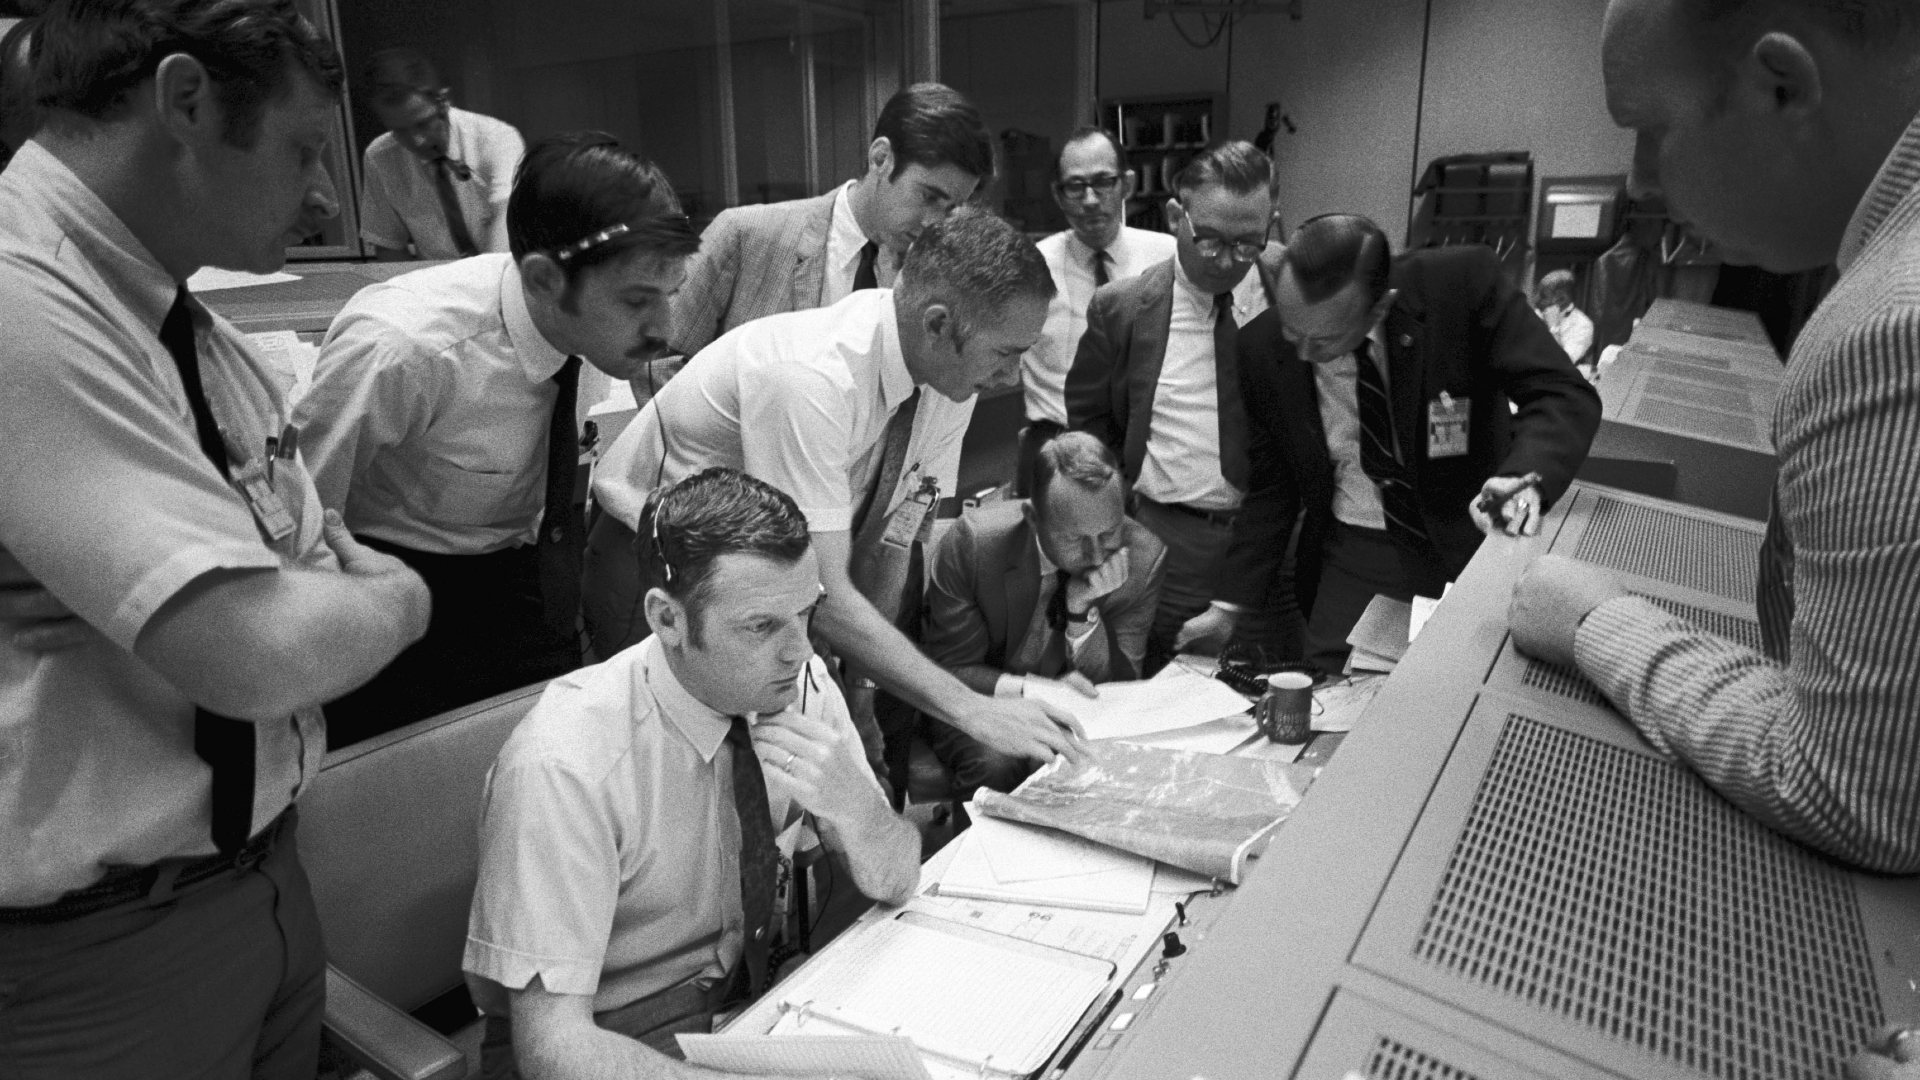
1447, 419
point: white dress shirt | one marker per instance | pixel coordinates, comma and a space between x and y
1571, 328
401, 204
432, 399
1043, 370
1356, 500
844, 241
800, 400
1182, 462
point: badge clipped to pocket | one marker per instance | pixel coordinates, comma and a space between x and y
1447, 419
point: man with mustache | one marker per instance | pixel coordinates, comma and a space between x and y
442, 422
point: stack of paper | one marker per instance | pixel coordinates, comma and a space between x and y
1184, 710
1379, 639
1008, 861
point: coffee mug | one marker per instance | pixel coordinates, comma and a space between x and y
1285, 711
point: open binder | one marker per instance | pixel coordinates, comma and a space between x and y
985, 1003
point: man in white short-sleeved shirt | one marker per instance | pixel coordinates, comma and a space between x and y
637, 823
805, 401
438, 179
1091, 184
154, 919
443, 421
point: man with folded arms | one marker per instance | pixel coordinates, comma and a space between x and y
1062, 585
154, 917
639, 821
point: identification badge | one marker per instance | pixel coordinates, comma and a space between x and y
1447, 419
904, 527
268, 508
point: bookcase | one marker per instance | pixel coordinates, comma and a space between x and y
1160, 135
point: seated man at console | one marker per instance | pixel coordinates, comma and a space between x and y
639, 820
1063, 585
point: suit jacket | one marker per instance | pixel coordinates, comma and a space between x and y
753, 261
1117, 367
986, 581
1457, 326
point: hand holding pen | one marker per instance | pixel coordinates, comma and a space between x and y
1509, 506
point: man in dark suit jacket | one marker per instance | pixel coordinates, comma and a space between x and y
1154, 376
1391, 463
930, 151
1062, 586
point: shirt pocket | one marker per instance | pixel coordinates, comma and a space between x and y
459, 495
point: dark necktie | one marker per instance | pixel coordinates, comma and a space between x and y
1226, 373
864, 276
759, 858
445, 172
893, 460
1389, 475
225, 744
1100, 261
561, 537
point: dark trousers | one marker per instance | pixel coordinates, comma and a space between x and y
1196, 550
610, 593
488, 635
1356, 565
973, 763
653, 1020
224, 979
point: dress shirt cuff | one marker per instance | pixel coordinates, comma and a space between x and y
1075, 640
1010, 686
1229, 608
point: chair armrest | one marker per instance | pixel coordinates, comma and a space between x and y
384, 1040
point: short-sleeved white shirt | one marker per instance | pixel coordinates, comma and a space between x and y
401, 205
428, 420
109, 502
1043, 370
800, 400
609, 842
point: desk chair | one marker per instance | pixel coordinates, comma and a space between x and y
389, 836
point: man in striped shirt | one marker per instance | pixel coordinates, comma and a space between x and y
1785, 131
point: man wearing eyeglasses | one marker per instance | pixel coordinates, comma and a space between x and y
1399, 409
438, 179
1155, 375
442, 422
1091, 186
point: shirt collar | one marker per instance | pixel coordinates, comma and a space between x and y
1082, 255
1897, 180
847, 237
121, 260
539, 360
896, 382
702, 726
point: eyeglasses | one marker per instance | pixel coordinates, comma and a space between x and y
1243, 251
1077, 188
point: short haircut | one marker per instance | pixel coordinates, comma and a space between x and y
572, 188
19, 112
91, 54
686, 527
1079, 457
1556, 286
1236, 165
1083, 133
394, 75
930, 125
1719, 25
1331, 250
975, 262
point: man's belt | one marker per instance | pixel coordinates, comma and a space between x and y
159, 880
1213, 517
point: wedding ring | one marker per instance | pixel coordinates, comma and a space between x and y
790, 759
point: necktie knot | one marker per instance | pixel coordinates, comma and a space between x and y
866, 276
455, 168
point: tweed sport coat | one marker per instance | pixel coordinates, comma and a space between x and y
753, 261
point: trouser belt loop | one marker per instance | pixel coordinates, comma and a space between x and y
164, 876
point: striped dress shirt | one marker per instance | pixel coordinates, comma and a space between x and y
1819, 738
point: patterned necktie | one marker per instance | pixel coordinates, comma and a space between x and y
561, 537
864, 276
759, 857
893, 461
1232, 415
445, 171
1100, 261
225, 744
1377, 459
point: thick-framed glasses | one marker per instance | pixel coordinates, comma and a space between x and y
1243, 250
1077, 188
